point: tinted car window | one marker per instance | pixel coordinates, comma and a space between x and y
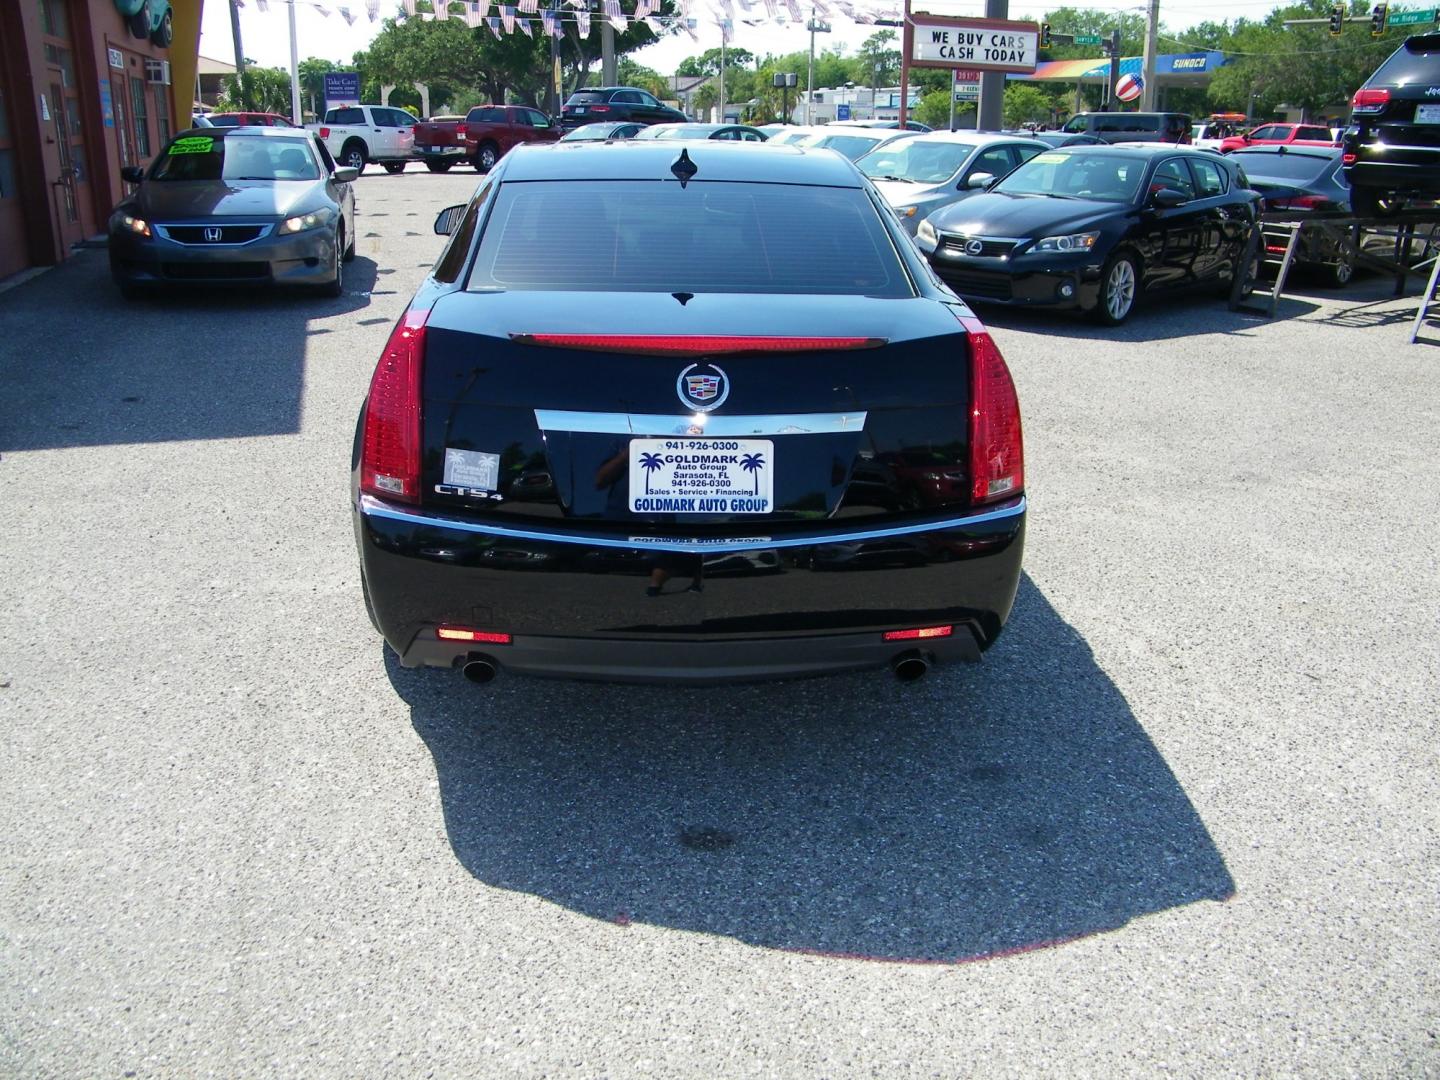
585, 97
488, 114
345, 116
628, 97
996, 161
708, 237
1418, 60
646, 99
1315, 133
1127, 122
1209, 178
224, 121
1267, 133
537, 119
203, 157
1291, 166
1080, 174
1173, 174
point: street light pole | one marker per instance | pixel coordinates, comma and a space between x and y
296, 114
239, 54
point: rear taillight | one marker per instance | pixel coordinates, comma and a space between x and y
1299, 202
599, 108
918, 633
324, 133
1347, 159
695, 344
390, 450
997, 453
1370, 101
461, 131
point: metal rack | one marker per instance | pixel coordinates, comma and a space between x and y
1347, 232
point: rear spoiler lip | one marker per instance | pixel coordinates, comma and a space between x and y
697, 344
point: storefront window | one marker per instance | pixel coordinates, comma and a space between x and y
142, 117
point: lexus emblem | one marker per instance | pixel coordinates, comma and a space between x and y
973, 247
702, 388
213, 235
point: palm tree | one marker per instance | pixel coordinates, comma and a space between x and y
753, 463
650, 462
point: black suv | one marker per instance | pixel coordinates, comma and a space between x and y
1113, 127
1393, 151
616, 103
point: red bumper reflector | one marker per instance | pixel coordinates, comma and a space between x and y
461, 633
695, 345
922, 632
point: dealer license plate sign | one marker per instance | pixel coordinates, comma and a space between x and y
1427, 114
702, 476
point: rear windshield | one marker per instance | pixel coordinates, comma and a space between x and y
587, 97
915, 160
236, 157
1077, 174
852, 146
1418, 60
217, 120
709, 237
1291, 166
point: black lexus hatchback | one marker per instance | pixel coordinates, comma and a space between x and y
731, 428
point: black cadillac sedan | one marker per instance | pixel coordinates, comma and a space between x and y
701, 441
1094, 227
252, 206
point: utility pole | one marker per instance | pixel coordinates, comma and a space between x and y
815, 26
724, 37
239, 53
907, 49
1147, 68
1110, 98
991, 112
297, 115
608, 75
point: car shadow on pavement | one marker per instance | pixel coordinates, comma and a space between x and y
83, 367
1155, 318
986, 809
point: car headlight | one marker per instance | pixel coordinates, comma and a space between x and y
312, 220
127, 223
1080, 241
926, 232
905, 211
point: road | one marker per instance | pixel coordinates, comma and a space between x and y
1182, 820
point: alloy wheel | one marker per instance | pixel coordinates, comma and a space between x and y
1120, 289
355, 159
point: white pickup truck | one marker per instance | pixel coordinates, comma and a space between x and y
356, 135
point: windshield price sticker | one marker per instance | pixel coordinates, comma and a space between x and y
702, 476
192, 144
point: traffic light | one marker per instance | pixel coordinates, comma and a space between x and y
1044, 35
1337, 20
1377, 20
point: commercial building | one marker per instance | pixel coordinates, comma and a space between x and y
86, 88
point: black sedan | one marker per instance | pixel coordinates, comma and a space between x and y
254, 206
608, 132
623, 416
1094, 227
1297, 181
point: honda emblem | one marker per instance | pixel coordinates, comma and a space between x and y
213, 235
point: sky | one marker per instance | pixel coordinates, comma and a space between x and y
266, 35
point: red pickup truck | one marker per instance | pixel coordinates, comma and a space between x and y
488, 131
438, 142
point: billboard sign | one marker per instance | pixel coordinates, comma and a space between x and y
342, 88
842, 112
974, 44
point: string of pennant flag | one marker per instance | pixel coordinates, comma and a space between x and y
527, 17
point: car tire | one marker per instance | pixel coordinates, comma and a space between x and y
394, 167
486, 157
1338, 275
350, 247
164, 34
336, 286
1374, 202
353, 155
1119, 289
438, 166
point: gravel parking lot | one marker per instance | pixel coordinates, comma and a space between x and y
1183, 818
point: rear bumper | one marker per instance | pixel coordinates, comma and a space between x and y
1398, 169
683, 610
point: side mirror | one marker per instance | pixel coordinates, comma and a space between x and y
979, 181
132, 174
1167, 199
448, 220
344, 174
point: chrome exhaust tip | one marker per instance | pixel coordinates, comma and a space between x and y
909, 666
479, 669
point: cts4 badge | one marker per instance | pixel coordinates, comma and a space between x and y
702, 387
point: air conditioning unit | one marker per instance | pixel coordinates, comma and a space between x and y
157, 71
